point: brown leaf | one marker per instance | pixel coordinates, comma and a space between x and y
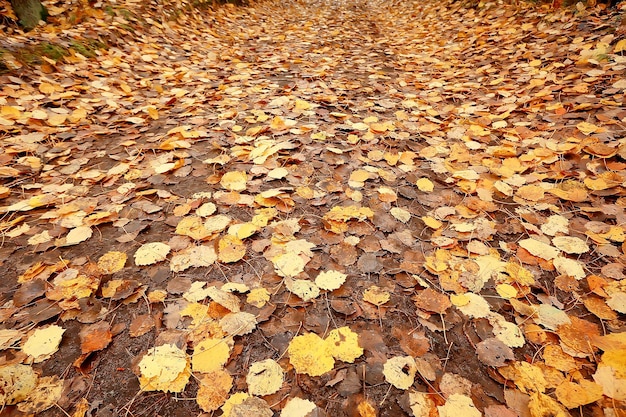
433, 301
95, 337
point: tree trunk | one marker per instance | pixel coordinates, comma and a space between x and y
30, 12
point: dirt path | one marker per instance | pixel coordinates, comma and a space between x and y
456, 174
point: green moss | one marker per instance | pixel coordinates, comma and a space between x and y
50, 50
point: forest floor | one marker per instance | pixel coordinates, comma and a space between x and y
306, 208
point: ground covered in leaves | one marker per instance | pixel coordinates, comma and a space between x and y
308, 208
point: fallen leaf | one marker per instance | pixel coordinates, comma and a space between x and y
310, 354
213, 389
210, 355
344, 344
297, 407
151, 253
164, 368
400, 371
43, 343
458, 405
17, 381
265, 377
376, 295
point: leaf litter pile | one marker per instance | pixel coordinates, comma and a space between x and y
318, 208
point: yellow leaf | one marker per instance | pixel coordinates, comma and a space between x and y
56, 119
164, 368
539, 249
242, 230
10, 112
425, 185
194, 256
344, 344
302, 105
43, 343
458, 405
376, 295
153, 113
571, 267
528, 378
278, 173
401, 214
206, 209
232, 401
213, 389
112, 262
431, 222
69, 284
238, 324
234, 180
265, 377
358, 177
288, 264
230, 249
570, 244
223, 298
17, 381
400, 371
421, 404
587, 128
305, 289
620, 46
472, 305
151, 253
157, 296
330, 280
258, 297
387, 195
541, 405
310, 354
45, 395
78, 234
573, 395
193, 227
298, 407
217, 223
506, 291
211, 354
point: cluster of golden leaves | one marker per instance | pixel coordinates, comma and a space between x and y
467, 163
